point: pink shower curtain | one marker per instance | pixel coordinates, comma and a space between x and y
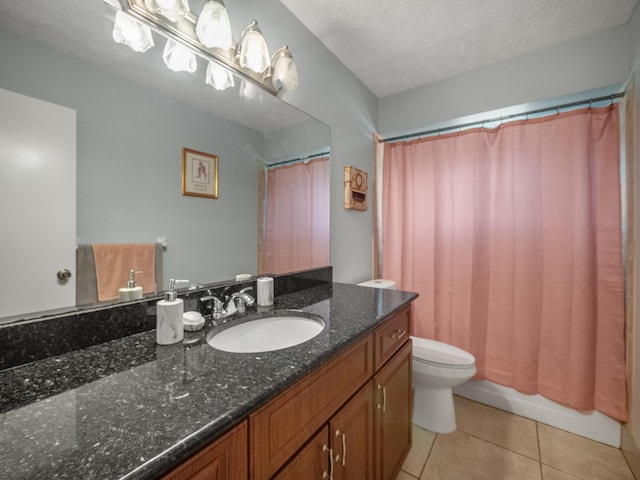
297, 217
512, 237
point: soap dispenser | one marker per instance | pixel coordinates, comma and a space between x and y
131, 291
169, 312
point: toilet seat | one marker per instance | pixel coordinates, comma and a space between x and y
432, 352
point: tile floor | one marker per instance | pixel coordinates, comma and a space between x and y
491, 444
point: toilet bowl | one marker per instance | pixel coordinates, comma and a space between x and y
437, 368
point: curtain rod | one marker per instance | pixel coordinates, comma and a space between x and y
300, 159
504, 117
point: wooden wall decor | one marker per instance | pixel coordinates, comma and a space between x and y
355, 188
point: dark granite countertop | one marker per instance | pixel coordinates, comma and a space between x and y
131, 409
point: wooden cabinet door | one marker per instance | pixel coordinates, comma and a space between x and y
225, 459
281, 427
393, 414
351, 433
312, 462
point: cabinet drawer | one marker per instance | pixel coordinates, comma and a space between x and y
282, 426
390, 336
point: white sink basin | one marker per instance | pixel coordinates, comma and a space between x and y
266, 334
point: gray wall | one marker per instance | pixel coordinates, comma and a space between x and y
634, 38
129, 154
329, 92
295, 142
590, 63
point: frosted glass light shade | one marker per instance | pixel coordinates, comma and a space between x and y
132, 33
250, 93
219, 77
179, 58
173, 10
213, 28
285, 73
253, 52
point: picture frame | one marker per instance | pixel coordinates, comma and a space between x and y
199, 174
356, 185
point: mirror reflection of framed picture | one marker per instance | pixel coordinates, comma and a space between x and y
199, 174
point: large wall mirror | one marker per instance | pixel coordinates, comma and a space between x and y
133, 118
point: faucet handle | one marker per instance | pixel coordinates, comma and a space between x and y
248, 299
217, 305
239, 301
232, 308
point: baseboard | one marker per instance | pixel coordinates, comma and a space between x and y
593, 425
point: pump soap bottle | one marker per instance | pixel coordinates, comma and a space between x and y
131, 291
169, 326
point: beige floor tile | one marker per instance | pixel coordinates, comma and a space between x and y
631, 452
497, 426
549, 473
460, 456
404, 476
421, 445
579, 456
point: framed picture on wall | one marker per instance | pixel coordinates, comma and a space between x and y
199, 174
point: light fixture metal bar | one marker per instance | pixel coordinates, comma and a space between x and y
184, 31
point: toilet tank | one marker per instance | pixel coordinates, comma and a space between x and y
379, 283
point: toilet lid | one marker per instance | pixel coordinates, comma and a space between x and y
432, 351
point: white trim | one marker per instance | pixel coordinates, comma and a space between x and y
593, 425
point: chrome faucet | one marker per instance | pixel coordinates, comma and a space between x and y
241, 299
218, 310
235, 303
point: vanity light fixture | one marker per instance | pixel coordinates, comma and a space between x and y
284, 73
179, 58
132, 33
209, 36
253, 52
173, 10
213, 27
218, 77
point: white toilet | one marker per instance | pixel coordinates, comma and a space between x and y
437, 368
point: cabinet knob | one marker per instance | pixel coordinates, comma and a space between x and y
398, 334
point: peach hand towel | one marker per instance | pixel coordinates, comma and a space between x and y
113, 262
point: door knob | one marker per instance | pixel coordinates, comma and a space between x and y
64, 275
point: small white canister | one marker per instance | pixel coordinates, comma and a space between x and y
265, 291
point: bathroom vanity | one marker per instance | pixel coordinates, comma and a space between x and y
350, 418
338, 405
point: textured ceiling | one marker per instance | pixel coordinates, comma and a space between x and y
390, 46
393, 46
